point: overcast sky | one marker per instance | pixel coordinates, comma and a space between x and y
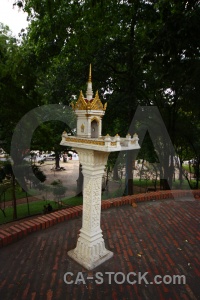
15, 19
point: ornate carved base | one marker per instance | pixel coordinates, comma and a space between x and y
90, 252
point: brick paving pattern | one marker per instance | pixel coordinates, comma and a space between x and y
159, 237
11, 232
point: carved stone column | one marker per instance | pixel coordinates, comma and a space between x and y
90, 250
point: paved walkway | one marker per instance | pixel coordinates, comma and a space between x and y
159, 237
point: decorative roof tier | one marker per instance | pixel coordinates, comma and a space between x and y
89, 103
93, 104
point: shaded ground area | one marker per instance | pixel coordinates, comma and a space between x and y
161, 238
68, 178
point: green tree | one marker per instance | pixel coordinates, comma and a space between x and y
138, 50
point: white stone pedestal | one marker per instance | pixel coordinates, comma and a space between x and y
90, 250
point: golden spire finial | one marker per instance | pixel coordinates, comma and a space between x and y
89, 92
90, 74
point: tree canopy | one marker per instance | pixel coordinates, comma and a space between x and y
142, 53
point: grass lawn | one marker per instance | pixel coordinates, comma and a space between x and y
19, 194
35, 208
143, 182
22, 210
185, 185
187, 168
73, 201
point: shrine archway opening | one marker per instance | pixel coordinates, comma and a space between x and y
94, 129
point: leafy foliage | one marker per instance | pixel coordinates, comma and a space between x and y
142, 52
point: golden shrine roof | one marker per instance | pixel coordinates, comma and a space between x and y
93, 104
89, 103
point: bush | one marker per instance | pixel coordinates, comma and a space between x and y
58, 188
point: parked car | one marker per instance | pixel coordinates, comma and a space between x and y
51, 157
35, 158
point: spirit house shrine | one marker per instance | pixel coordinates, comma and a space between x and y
93, 150
89, 113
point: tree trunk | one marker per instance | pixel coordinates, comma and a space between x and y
156, 177
129, 173
14, 198
80, 182
197, 173
115, 172
181, 173
165, 181
170, 172
57, 158
27, 201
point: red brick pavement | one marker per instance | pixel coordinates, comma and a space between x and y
158, 237
10, 233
